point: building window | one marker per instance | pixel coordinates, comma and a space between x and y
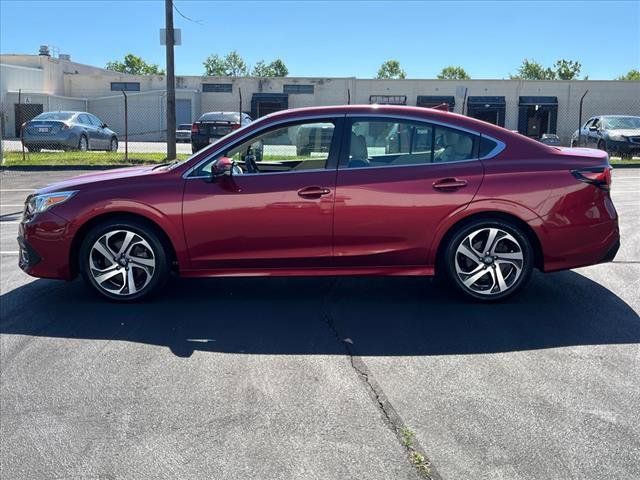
126, 86
388, 99
217, 87
295, 88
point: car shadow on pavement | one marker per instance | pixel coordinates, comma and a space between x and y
380, 316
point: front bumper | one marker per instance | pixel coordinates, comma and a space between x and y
624, 147
45, 246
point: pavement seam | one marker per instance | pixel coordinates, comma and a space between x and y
414, 450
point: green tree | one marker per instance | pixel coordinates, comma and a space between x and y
630, 75
277, 68
214, 66
532, 70
567, 69
134, 65
236, 66
232, 65
453, 73
391, 69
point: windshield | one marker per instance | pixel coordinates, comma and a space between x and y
55, 116
184, 126
619, 123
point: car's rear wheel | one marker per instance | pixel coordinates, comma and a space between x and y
124, 260
489, 259
83, 144
113, 145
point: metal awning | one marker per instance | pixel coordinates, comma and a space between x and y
433, 100
550, 101
486, 102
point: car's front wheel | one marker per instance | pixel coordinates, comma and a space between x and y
124, 260
113, 145
488, 259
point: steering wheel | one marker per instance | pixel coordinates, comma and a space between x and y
250, 163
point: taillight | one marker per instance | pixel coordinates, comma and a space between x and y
598, 176
235, 126
194, 128
65, 126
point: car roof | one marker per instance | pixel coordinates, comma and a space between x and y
428, 114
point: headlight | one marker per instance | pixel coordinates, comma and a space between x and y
41, 203
617, 137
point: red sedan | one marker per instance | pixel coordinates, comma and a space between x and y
347, 190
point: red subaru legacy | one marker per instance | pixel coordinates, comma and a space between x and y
346, 190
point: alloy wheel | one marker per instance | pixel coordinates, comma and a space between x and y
489, 261
83, 146
121, 262
114, 145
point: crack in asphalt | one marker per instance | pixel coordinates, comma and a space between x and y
391, 418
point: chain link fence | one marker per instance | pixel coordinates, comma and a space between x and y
129, 127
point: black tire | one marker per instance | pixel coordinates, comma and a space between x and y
113, 145
145, 283
512, 278
86, 142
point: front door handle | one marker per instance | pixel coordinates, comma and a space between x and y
313, 192
449, 184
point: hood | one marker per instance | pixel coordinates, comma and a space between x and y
627, 132
101, 176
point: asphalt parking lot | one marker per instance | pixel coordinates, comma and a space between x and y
311, 378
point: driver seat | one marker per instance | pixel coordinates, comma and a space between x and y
358, 154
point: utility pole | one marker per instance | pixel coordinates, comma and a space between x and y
171, 83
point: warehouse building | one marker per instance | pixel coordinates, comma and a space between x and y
31, 84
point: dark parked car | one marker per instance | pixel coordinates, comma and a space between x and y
550, 139
212, 126
465, 199
68, 131
183, 133
616, 134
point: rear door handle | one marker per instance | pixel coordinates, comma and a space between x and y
313, 192
449, 184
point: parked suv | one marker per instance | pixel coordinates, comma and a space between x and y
212, 126
616, 134
68, 131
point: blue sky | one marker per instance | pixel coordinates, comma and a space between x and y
489, 39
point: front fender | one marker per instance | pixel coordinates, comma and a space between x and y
170, 224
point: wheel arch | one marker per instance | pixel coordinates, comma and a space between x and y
86, 227
538, 254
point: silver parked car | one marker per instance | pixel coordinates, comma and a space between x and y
183, 133
68, 131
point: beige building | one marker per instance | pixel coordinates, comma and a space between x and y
30, 84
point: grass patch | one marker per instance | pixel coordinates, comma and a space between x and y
83, 158
626, 161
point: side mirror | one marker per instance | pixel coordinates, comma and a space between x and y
223, 167
593, 128
104, 125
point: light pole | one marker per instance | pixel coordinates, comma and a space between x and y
171, 82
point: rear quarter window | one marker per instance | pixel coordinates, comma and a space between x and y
486, 146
